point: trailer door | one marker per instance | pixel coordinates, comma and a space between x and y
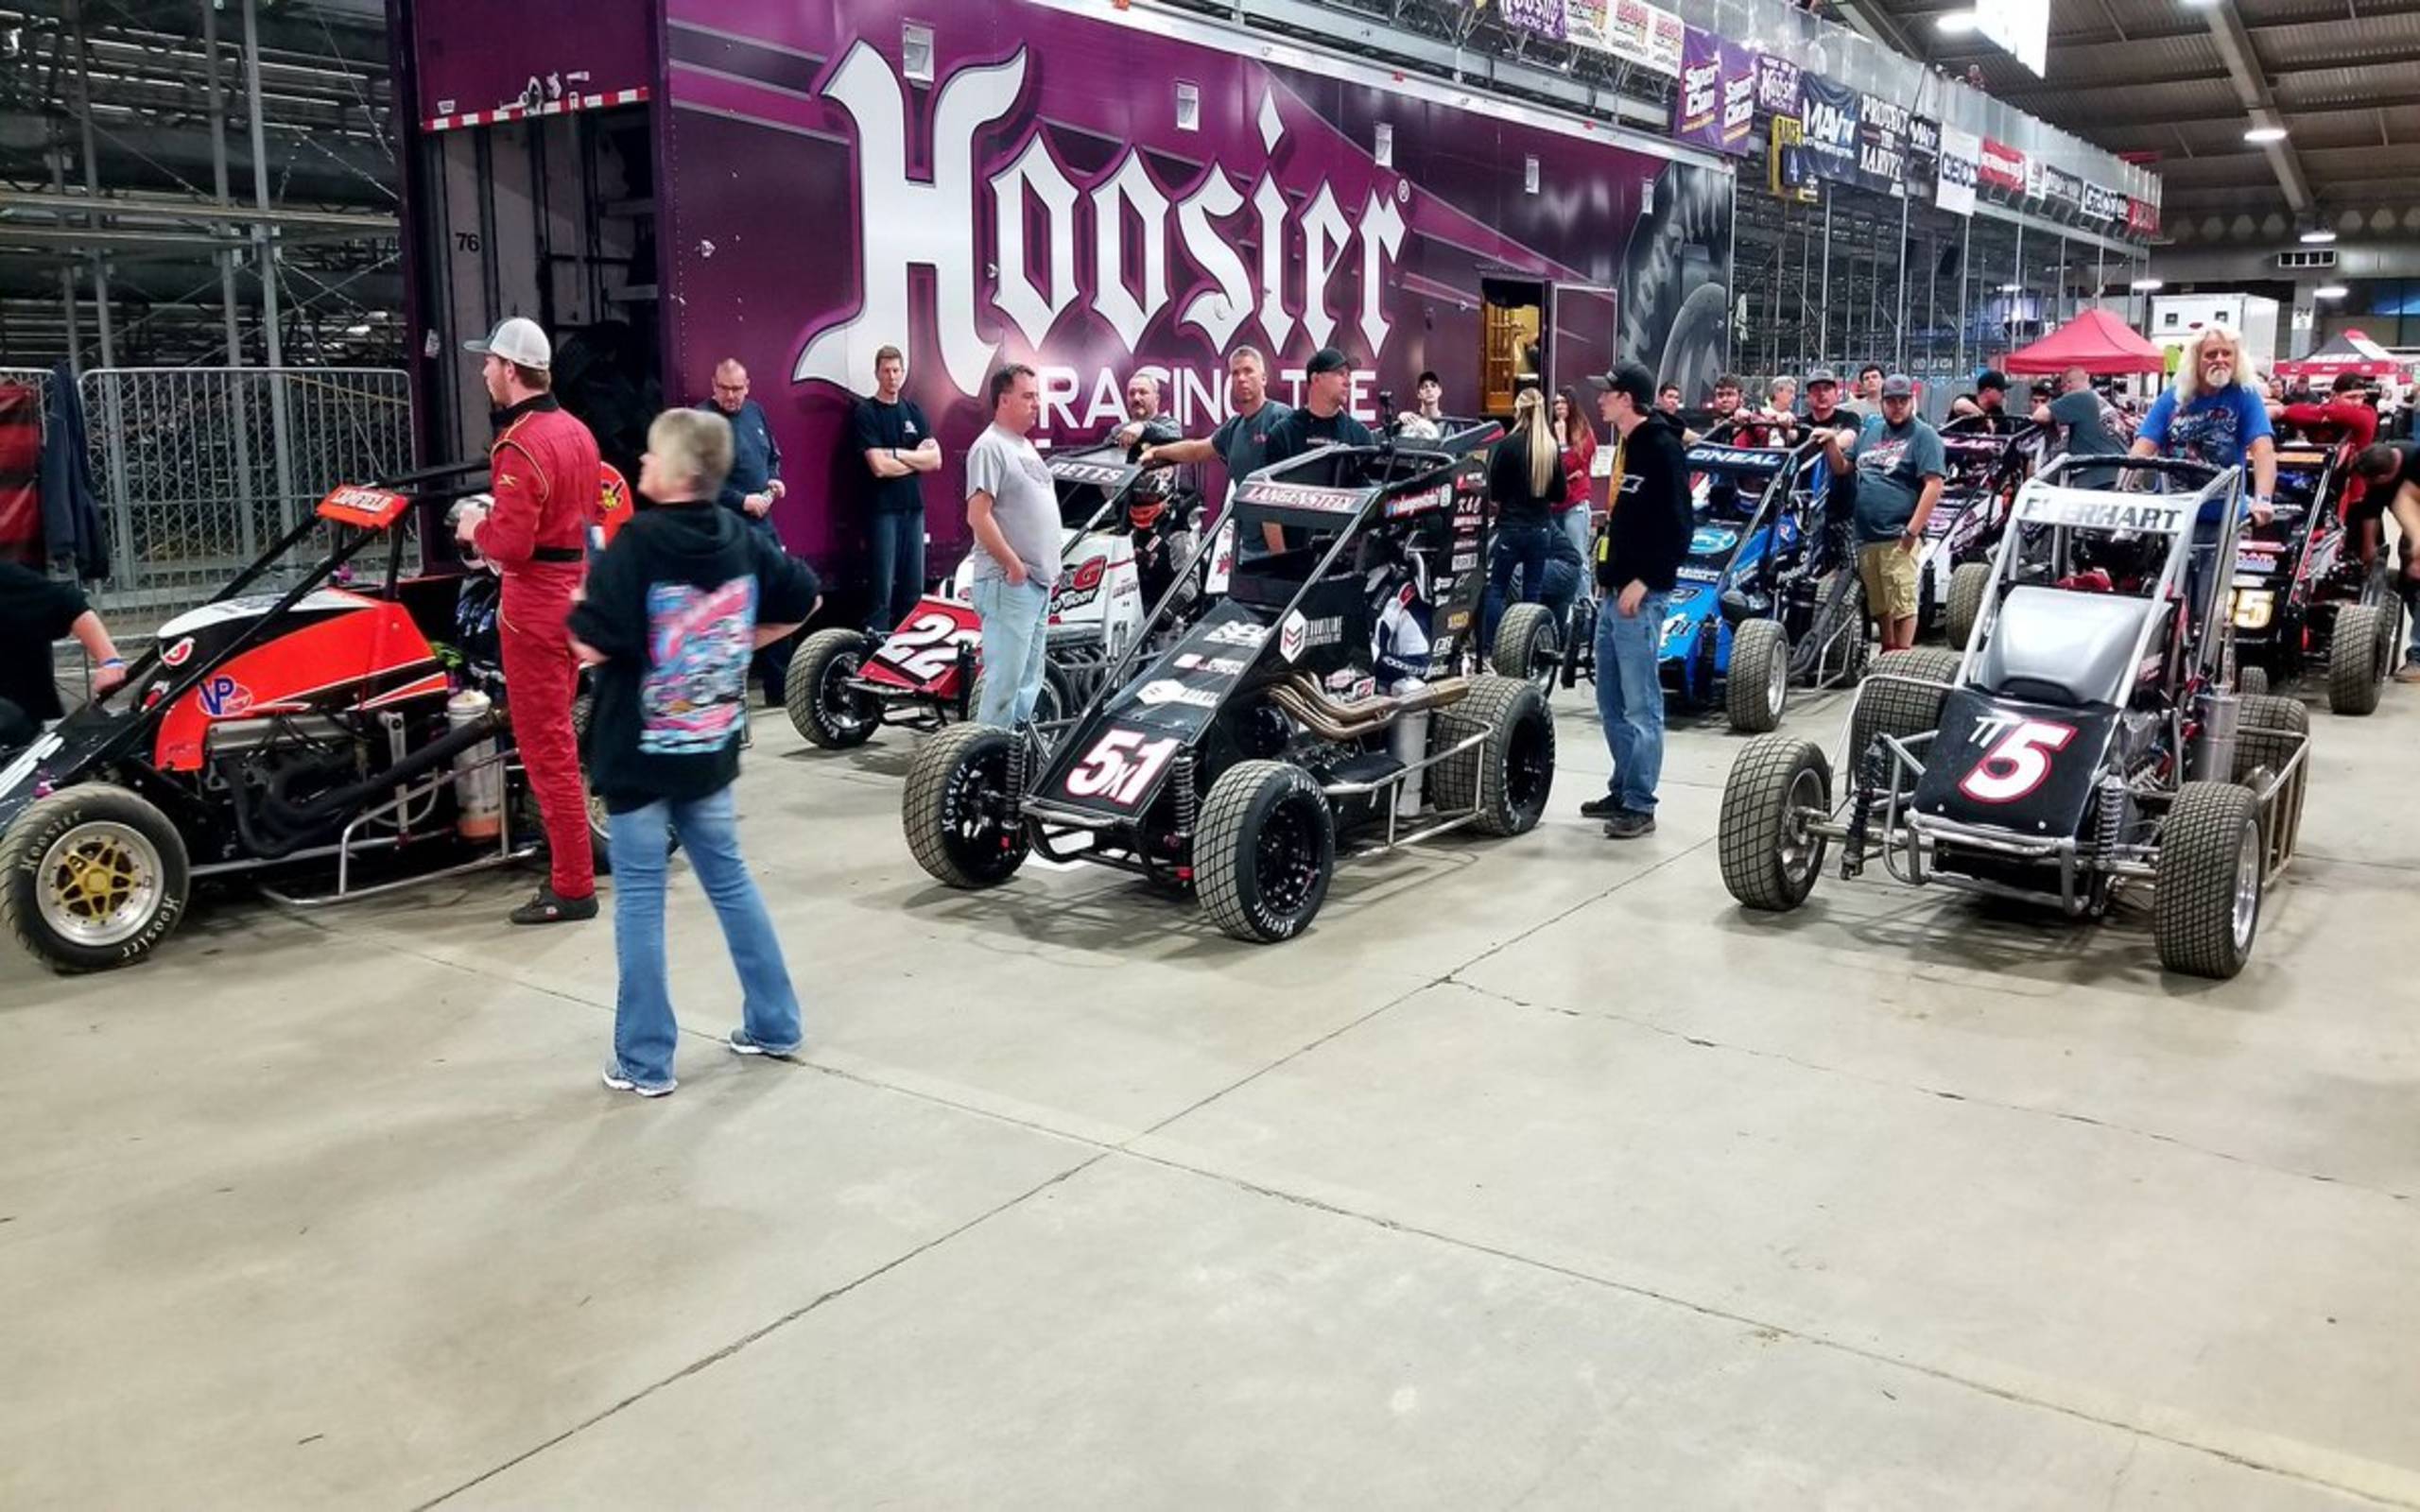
1587, 333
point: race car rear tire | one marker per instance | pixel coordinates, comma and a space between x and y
1897, 709
1265, 851
2205, 901
817, 694
1756, 687
2355, 668
1770, 861
92, 877
1968, 582
2269, 731
1528, 644
2252, 682
958, 838
1508, 776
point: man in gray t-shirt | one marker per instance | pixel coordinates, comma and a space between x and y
1014, 511
1241, 441
2083, 427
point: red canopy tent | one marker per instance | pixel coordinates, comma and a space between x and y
2097, 341
2350, 353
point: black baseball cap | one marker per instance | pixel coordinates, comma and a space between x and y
1898, 386
1327, 359
1992, 378
1427, 377
1630, 378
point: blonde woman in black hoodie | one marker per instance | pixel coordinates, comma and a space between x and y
1525, 482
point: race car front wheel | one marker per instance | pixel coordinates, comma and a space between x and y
958, 811
90, 876
1756, 686
1526, 645
1778, 788
817, 693
2355, 663
2205, 903
1263, 851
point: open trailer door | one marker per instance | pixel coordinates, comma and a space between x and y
1587, 333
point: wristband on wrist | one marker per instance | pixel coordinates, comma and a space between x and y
114, 661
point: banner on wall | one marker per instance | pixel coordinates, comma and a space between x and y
1777, 92
2063, 193
1954, 190
2102, 205
1631, 30
1716, 105
1831, 122
1923, 154
1544, 18
1882, 145
2001, 166
2142, 217
1786, 169
1738, 99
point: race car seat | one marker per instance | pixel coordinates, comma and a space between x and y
2064, 648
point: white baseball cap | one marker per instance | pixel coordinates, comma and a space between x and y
517, 339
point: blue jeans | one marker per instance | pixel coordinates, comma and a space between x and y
644, 1029
1521, 547
1016, 641
1629, 698
896, 570
1575, 525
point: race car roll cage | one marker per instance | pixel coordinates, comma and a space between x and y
1907, 849
413, 776
1296, 695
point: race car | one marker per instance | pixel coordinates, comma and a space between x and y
2084, 739
2303, 600
1322, 700
1954, 561
845, 684
325, 742
1763, 601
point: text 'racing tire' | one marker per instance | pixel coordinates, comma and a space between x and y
92, 877
955, 809
2205, 898
817, 694
1265, 851
1506, 776
1756, 687
1771, 858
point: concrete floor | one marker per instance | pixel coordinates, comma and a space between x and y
1538, 1173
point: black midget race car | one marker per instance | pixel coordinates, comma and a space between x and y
1954, 563
2084, 739
1763, 601
2302, 598
1322, 699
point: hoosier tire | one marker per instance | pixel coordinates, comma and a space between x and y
1265, 851
950, 809
1897, 708
2355, 668
1770, 861
1967, 584
1528, 644
820, 703
92, 877
1756, 687
1508, 775
2272, 731
2205, 903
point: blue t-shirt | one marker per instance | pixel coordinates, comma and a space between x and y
2216, 429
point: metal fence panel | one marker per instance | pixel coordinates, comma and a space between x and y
198, 469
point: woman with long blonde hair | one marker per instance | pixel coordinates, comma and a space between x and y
1524, 481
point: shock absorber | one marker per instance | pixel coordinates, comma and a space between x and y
2112, 815
1020, 744
1188, 801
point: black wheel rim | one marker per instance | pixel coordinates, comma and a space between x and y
1543, 657
1529, 767
1286, 859
972, 807
842, 708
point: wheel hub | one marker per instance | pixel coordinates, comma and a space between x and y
2248, 863
99, 884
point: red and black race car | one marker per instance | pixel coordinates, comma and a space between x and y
327, 741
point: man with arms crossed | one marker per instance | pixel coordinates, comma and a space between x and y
897, 443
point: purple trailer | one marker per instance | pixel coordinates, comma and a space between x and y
1091, 190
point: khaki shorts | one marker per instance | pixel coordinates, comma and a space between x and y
1890, 577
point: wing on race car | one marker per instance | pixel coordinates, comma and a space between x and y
922, 655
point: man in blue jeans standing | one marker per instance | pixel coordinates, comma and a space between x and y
675, 608
1637, 560
899, 448
1014, 511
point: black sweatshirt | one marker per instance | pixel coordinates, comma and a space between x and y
1508, 483
1647, 536
674, 604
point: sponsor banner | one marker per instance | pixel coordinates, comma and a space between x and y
1738, 99
1631, 30
1543, 17
1786, 169
1716, 105
2098, 512
1954, 186
2001, 166
1777, 90
1923, 154
1882, 145
2062, 192
2102, 205
2142, 217
1831, 122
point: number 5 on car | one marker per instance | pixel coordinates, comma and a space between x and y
2018, 763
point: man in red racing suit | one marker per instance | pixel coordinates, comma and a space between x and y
545, 476
2348, 424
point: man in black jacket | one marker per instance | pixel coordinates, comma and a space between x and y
674, 609
1639, 559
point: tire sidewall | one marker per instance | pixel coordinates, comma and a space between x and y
1288, 787
40, 828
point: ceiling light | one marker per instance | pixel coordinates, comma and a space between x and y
2200, 5
357, 329
2265, 134
2146, 285
1956, 23
2318, 237
2331, 291
2011, 288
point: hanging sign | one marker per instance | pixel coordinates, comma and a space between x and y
1786, 169
1831, 123
1777, 92
1542, 18
2001, 166
1954, 190
2102, 205
1738, 99
1882, 145
1716, 105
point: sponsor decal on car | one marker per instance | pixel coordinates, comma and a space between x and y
1701, 574
1708, 541
1296, 635
1080, 587
1101, 472
1120, 767
222, 696
1168, 690
2090, 512
1738, 459
179, 654
1223, 666
1426, 499
1236, 632
1464, 561
1300, 496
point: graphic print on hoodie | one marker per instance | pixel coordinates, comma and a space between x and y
699, 646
